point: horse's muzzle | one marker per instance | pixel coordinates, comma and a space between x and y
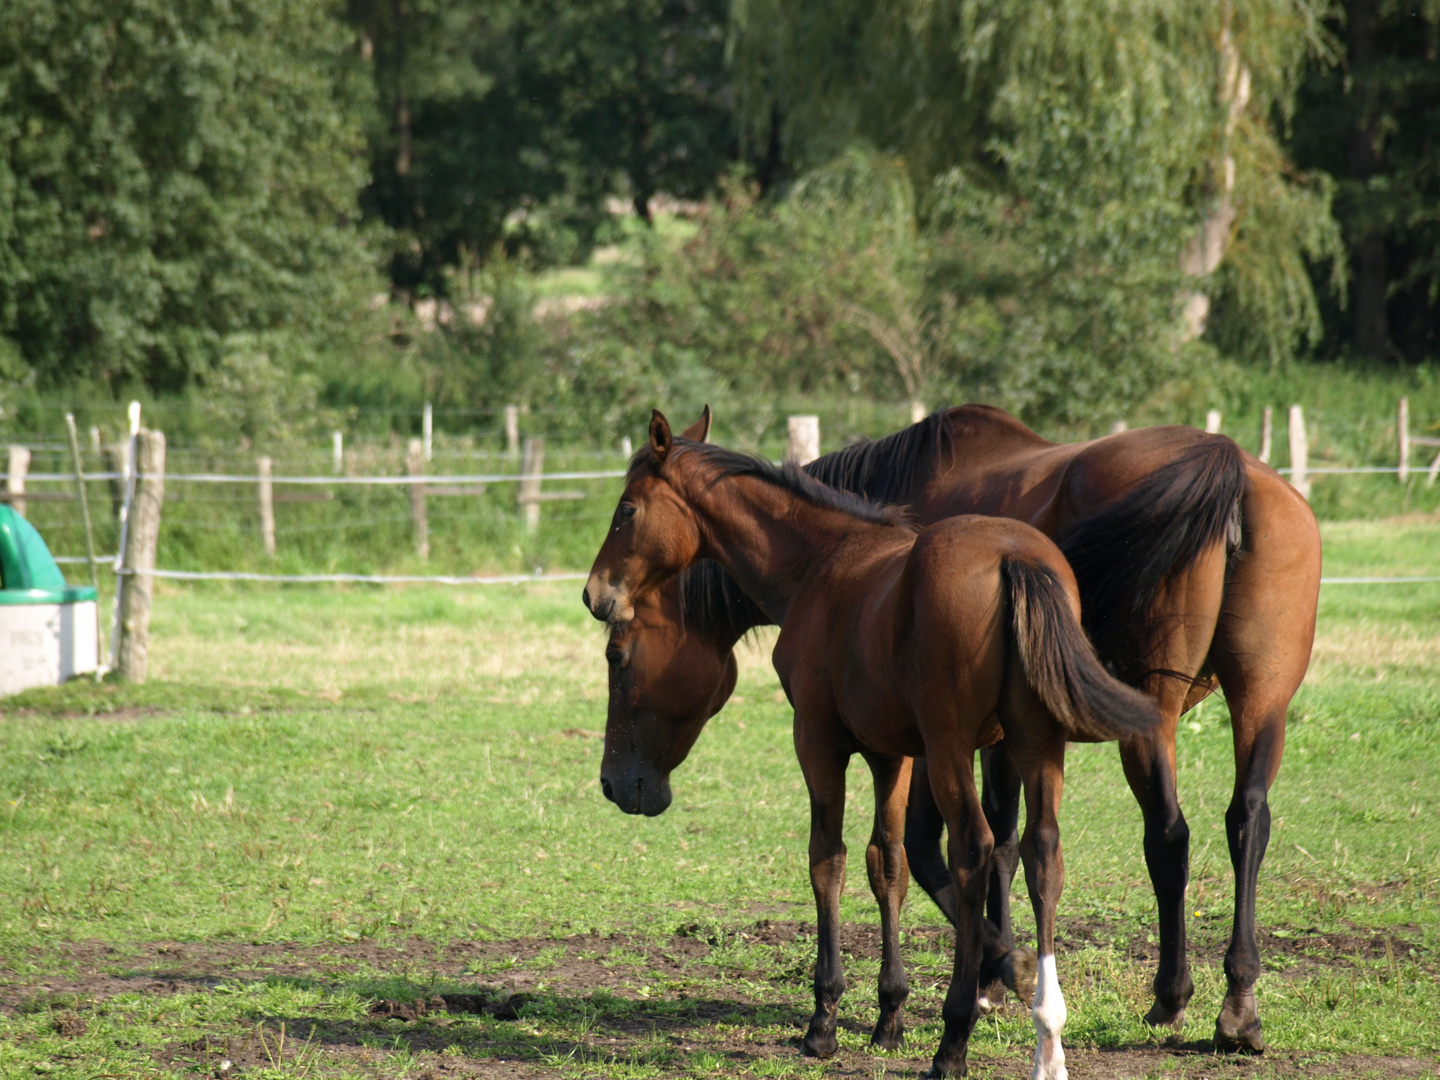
637, 794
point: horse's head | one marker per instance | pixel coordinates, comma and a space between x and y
653, 535
666, 680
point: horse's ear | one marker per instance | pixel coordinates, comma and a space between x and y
699, 431
660, 438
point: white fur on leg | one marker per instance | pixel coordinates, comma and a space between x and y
1049, 1015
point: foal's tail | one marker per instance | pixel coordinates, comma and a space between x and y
1061, 665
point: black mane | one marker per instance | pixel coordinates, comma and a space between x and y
886, 472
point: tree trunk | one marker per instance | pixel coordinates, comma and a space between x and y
1203, 255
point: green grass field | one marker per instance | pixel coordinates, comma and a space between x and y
358, 832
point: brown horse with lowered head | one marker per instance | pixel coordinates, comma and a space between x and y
1148, 521
893, 643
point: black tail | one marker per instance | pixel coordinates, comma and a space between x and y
1122, 554
1061, 665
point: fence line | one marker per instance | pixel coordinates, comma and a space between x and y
516, 579
352, 579
381, 481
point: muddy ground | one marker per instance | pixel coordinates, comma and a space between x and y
83, 976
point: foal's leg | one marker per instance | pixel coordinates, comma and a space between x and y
889, 879
1043, 765
952, 778
823, 763
1003, 964
924, 829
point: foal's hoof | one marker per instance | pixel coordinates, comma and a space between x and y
819, 1044
1239, 1040
1166, 1017
888, 1035
1017, 969
939, 1070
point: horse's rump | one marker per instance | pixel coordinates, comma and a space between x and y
1123, 553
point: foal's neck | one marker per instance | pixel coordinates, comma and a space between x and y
766, 537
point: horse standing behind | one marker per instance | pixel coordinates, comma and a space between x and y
893, 643
1197, 565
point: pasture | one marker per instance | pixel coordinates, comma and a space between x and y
355, 832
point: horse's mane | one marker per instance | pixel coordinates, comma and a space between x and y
884, 471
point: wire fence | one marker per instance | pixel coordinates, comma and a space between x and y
217, 508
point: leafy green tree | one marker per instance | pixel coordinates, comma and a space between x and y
1374, 124
511, 122
1145, 127
171, 176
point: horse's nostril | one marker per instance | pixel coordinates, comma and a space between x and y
607, 789
586, 597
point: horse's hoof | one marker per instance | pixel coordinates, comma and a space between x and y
889, 1033
1163, 1016
1239, 1040
937, 1070
1017, 970
820, 1044
991, 997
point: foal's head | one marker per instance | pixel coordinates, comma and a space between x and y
653, 535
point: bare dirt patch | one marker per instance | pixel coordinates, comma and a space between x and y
472, 1009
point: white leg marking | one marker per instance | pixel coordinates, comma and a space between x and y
1049, 1016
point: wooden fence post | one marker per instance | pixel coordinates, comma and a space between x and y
1402, 424
15, 471
427, 431
267, 505
1267, 424
415, 466
512, 429
1299, 452
626, 450
802, 444
337, 451
918, 412
1212, 422
142, 534
1118, 426
532, 467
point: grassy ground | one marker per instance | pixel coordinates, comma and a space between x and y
358, 832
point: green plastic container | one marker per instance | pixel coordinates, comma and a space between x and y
28, 574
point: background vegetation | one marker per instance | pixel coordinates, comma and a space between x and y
280, 216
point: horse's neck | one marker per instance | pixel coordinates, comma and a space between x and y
766, 537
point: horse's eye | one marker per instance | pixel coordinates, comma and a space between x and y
627, 511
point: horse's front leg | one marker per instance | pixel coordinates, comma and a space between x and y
889, 880
823, 760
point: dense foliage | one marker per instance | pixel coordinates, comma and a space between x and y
177, 181
294, 211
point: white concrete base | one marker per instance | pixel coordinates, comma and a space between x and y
45, 644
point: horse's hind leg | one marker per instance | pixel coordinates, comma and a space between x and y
889, 878
1262, 648
1039, 745
1004, 964
952, 778
924, 829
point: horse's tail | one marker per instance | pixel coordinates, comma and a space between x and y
1122, 554
1061, 664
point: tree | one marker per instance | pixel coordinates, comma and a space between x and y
1141, 101
511, 122
173, 176
1375, 126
